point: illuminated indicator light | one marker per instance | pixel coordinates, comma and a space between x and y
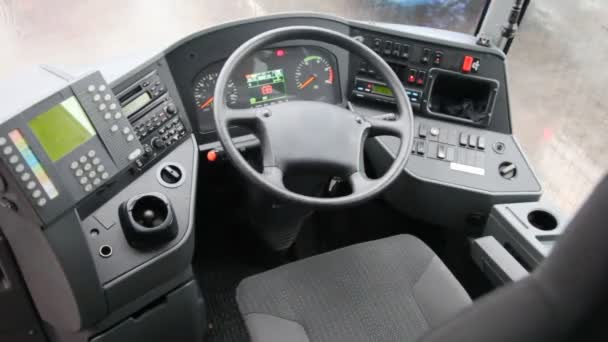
280, 53
467, 64
212, 156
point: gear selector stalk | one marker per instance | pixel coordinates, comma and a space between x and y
148, 220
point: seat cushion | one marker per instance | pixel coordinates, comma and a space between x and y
393, 289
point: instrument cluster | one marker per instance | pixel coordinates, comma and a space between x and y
271, 76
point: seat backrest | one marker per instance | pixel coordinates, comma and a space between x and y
561, 300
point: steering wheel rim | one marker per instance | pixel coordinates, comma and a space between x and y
271, 179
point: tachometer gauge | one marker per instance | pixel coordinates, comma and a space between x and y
314, 75
204, 87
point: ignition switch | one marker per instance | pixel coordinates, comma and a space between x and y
507, 170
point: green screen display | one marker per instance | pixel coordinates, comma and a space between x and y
62, 128
382, 90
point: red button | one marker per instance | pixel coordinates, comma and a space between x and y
467, 64
411, 79
212, 156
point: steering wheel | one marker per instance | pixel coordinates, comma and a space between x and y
314, 134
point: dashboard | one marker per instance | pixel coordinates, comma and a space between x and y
139, 128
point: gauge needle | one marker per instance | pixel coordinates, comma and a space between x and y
307, 82
207, 103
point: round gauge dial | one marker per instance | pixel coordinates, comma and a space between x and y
204, 87
314, 74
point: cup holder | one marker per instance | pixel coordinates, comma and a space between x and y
542, 220
148, 220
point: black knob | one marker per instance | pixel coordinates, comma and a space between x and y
157, 143
171, 174
507, 170
171, 109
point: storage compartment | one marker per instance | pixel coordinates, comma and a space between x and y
461, 97
496, 262
178, 316
527, 231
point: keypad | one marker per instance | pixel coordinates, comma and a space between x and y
89, 171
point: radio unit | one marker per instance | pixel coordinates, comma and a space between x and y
141, 93
378, 91
66, 146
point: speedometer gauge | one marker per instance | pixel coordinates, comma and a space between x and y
204, 87
314, 75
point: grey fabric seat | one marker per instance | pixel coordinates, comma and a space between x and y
394, 289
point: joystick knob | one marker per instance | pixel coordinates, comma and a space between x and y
148, 220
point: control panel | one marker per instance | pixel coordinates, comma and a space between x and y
154, 115
436, 78
66, 146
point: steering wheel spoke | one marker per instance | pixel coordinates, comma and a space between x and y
274, 175
360, 182
388, 124
245, 117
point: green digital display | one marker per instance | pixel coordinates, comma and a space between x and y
382, 90
266, 86
63, 128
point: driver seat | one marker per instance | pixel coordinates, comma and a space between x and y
397, 289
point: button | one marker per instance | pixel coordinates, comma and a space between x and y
467, 64
96, 161
114, 128
36, 193
405, 52
101, 168
377, 43
8, 150
2, 141
397, 50
422, 131
421, 78
84, 180
79, 173
102, 106
25, 176
107, 97
96, 181
88, 187
481, 143
42, 202
441, 152
411, 78
118, 115
91, 88
92, 174
88, 167
19, 168
74, 165
420, 148
96, 97
112, 106
130, 138
83, 159
105, 175
126, 130
13, 159
438, 58
102, 87
136, 153
464, 138
425, 56
31, 185
107, 116
91, 153
472, 140
212, 156
434, 131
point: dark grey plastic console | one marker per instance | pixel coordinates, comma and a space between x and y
517, 237
527, 230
